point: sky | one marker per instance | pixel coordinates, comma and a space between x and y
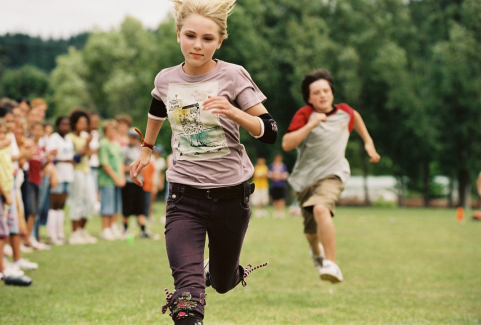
64, 18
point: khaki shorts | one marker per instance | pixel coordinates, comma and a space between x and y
325, 191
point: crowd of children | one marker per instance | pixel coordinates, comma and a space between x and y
43, 168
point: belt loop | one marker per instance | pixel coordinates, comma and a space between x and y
182, 189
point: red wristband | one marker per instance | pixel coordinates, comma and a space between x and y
142, 142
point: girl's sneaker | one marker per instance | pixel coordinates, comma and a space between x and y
86, 236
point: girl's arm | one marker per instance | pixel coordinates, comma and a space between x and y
151, 132
361, 129
248, 119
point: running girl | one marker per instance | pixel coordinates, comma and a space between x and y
206, 100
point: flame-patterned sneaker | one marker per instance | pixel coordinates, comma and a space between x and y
206, 273
330, 272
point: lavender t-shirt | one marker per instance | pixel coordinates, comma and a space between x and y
206, 146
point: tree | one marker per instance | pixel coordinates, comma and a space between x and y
28, 81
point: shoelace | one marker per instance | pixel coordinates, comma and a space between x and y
167, 304
249, 269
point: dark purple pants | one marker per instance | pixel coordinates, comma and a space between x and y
188, 220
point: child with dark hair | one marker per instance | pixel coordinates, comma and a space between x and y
320, 132
81, 199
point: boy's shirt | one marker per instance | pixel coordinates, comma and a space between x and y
131, 153
260, 177
322, 153
110, 154
36, 163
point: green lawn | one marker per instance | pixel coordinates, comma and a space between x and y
401, 266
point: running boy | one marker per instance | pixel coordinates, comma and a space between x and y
320, 131
206, 101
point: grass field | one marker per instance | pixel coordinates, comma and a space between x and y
401, 266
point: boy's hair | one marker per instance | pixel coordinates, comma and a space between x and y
109, 123
7, 102
4, 110
124, 118
313, 77
75, 116
38, 102
217, 10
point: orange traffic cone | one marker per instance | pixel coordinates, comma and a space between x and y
460, 214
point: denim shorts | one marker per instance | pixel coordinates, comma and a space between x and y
62, 188
110, 200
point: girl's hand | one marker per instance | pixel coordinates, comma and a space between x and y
139, 164
5, 143
220, 105
8, 199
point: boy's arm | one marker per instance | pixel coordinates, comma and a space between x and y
118, 180
293, 139
361, 129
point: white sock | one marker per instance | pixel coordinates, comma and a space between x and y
51, 224
60, 223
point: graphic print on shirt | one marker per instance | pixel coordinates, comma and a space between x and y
197, 134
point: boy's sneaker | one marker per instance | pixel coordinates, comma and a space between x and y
107, 234
26, 249
7, 250
206, 273
13, 271
330, 272
26, 265
86, 236
144, 235
116, 232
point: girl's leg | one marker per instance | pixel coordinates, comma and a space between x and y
185, 231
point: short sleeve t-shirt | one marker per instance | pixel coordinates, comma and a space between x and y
206, 146
322, 153
6, 170
260, 177
281, 169
65, 151
130, 154
79, 143
110, 154
36, 162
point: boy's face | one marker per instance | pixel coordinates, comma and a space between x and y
134, 141
261, 161
123, 128
321, 96
110, 131
38, 131
64, 126
199, 38
94, 122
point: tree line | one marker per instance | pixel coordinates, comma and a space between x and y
411, 68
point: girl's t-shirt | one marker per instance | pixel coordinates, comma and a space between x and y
65, 151
207, 149
36, 163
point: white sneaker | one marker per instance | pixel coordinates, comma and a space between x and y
116, 233
13, 271
26, 265
86, 236
37, 245
76, 238
7, 250
26, 249
330, 272
107, 234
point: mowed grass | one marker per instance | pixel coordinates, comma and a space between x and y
401, 266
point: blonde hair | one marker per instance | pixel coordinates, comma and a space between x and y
217, 10
109, 123
38, 102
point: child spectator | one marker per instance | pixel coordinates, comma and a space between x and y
260, 197
111, 180
63, 148
80, 199
278, 175
124, 123
132, 195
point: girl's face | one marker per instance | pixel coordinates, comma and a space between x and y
9, 118
38, 131
321, 96
199, 38
64, 126
123, 128
82, 124
3, 132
